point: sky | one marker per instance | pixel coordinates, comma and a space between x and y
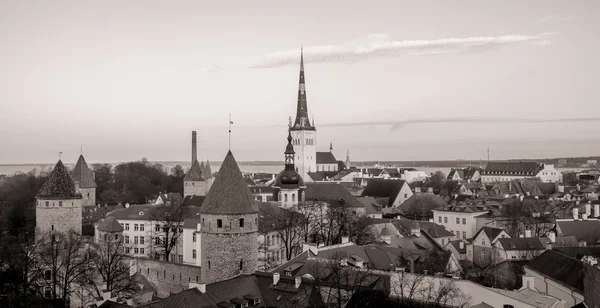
385, 80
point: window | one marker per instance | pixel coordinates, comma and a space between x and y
156, 228
127, 249
142, 251
293, 197
208, 264
483, 255
47, 203
122, 226
116, 236
135, 239
47, 292
457, 221
483, 241
194, 237
126, 239
508, 306
219, 223
48, 274
285, 198
194, 254
105, 237
142, 227
440, 219
180, 261
405, 196
88, 195
241, 222
52, 227
464, 235
142, 240
157, 240
126, 227
136, 227
445, 220
241, 264
464, 221
136, 250
268, 238
59, 203
442, 242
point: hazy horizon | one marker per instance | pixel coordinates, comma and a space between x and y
129, 80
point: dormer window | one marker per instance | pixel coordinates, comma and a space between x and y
141, 213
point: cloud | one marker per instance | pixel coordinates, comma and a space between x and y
381, 45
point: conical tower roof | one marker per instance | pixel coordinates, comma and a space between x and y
110, 224
82, 174
302, 122
229, 193
195, 172
207, 172
59, 184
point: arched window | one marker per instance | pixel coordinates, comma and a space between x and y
241, 222
219, 223
208, 267
293, 197
285, 198
301, 198
279, 198
241, 264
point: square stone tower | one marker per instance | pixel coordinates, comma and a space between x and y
84, 180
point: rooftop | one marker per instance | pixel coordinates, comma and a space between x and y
58, 185
384, 188
331, 192
82, 174
561, 268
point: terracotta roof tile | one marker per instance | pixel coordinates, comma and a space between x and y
59, 184
83, 174
229, 193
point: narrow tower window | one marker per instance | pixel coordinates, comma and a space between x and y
241, 264
241, 222
293, 197
219, 223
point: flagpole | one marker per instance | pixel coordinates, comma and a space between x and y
230, 132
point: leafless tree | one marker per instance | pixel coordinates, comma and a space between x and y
290, 230
63, 260
167, 220
312, 211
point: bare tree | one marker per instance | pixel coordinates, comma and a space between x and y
167, 220
361, 231
289, 228
63, 260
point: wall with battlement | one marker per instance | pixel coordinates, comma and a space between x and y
167, 277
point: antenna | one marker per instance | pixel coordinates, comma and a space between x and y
488, 152
230, 122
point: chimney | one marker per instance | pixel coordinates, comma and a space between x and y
345, 239
461, 245
575, 213
298, 281
194, 149
527, 233
510, 186
276, 278
597, 210
552, 236
588, 209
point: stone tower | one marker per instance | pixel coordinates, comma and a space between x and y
289, 186
109, 230
194, 182
58, 203
229, 226
304, 135
84, 181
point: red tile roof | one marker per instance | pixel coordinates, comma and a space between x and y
83, 174
59, 184
229, 193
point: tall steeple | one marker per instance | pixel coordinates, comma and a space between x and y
347, 159
302, 121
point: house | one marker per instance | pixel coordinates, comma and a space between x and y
262, 193
455, 175
480, 249
170, 197
333, 193
587, 232
471, 188
458, 248
459, 219
326, 162
421, 206
557, 275
511, 170
590, 192
526, 248
372, 208
271, 221
413, 175
469, 174
396, 191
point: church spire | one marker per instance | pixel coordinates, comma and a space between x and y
302, 120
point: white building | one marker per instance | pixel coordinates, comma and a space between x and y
459, 219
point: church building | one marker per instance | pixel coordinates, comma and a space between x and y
289, 186
304, 138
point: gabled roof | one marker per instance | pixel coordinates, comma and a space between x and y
195, 173
82, 174
229, 193
172, 197
321, 175
222, 291
326, 158
110, 224
513, 167
456, 245
193, 200
207, 172
383, 188
147, 212
562, 269
490, 232
434, 230
330, 192
59, 184
523, 243
371, 205
583, 230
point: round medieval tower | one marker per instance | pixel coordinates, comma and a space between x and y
229, 226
